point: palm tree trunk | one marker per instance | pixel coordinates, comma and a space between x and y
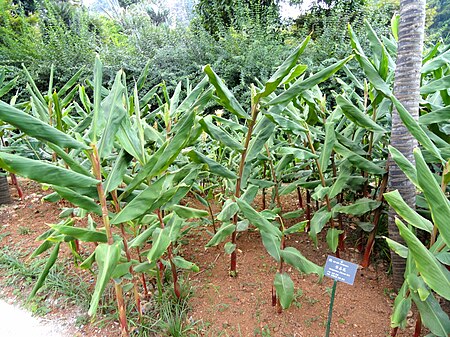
407, 90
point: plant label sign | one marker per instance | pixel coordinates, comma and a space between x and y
340, 270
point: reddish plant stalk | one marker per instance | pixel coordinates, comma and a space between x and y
308, 210
376, 219
300, 199
16, 185
418, 327
264, 189
394, 331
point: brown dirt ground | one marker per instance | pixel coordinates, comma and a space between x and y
225, 306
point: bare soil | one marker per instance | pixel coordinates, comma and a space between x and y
224, 305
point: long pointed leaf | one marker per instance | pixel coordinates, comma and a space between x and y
432, 271
43, 172
107, 257
36, 128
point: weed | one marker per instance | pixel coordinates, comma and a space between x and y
222, 307
23, 230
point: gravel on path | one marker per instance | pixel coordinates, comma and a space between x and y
17, 322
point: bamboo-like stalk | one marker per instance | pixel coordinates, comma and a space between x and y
280, 217
237, 193
322, 180
96, 168
176, 286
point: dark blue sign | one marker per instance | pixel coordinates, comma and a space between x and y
340, 270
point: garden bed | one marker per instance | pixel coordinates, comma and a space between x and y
220, 305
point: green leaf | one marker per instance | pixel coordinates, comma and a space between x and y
48, 265
405, 165
35, 128
328, 144
398, 248
395, 20
250, 193
78, 199
399, 205
226, 97
285, 123
283, 70
113, 110
432, 315
81, 234
122, 270
294, 258
402, 306
318, 221
360, 207
442, 83
219, 134
161, 241
257, 220
98, 75
229, 248
4, 89
107, 257
118, 170
214, 167
263, 131
298, 153
181, 135
143, 237
242, 225
437, 62
357, 160
357, 116
433, 273
222, 233
413, 126
188, 212
181, 263
293, 214
88, 262
436, 116
272, 244
444, 258
229, 209
71, 162
436, 199
141, 203
192, 98
285, 289
302, 85
372, 74
340, 183
43, 172
333, 238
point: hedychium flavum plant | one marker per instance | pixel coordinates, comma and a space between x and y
273, 109
118, 162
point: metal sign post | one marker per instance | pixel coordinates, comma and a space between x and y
342, 271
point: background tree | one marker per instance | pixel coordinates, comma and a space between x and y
218, 16
407, 90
